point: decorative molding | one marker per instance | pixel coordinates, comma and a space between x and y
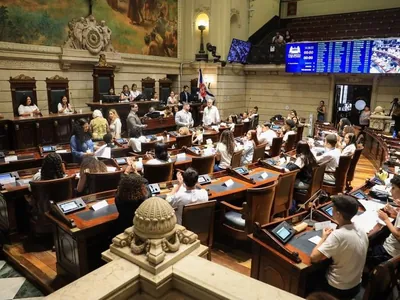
202, 9
22, 77
236, 12
56, 77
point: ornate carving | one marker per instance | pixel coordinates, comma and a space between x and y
148, 79
56, 77
234, 11
203, 9
88, 34
22, 77
102, 61
65, 66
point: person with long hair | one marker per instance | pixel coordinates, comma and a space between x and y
81, 141
98, 125
52, 168
342, 124
350, 144
225, 149
115, 124
136, 139
249, 144
160, 153
64, 107
90, 164
125, 94
28, 108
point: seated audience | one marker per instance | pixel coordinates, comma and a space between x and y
131, 192
115, 124
331, 156
98, 125
342, 124
245, 117
288, 37
155, 97
225, 149
90, 164
81, 141
288, 129
111, 92
172, 99
364, 117
168, 112
211, 114
134, 92
175, 109
125, 95
350, 144
278, 39
265, 134
250, 142
347, 246
348, 129
108, 139
136, 139
197, 137
52, 168
186, 192
161, 155
152, 113
183, 118
28, 108
64, 106
183, 131
305, 161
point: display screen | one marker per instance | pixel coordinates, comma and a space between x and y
68, 206
121, 141
239, 51
359, 195
357, 57
5, 176
329, 211
48, 148
283, 233
201, 179
120, 161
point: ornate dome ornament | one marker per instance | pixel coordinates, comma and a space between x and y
155, 231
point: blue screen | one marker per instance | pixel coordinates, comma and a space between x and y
239, 51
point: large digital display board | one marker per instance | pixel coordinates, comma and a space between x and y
359, 56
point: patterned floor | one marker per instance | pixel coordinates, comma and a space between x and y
14, 286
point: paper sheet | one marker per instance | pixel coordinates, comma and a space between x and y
370, 205
11, 158
62, 151
368, 220
103, 151
111, 169
315, 239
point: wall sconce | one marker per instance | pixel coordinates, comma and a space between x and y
202, 24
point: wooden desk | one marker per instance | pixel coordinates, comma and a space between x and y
375, 148
159, 125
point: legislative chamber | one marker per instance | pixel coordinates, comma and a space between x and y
200, 149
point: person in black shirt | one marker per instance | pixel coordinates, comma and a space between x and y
185, 95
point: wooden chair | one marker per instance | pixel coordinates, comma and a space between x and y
148, 87
236, 159
158, 173
57, 87
42, 192
213, 136
183, 140
238, 131
338, 186
22, 86
246, 127
317, 178
352, 168
284, 193
254, 122
238, 222
290, 142
100, 182
275, 149
259, 152
199, 218
299, 134
147, 146
203, 164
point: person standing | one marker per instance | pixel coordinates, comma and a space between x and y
364, 117
184, 96
115, 124
211, 114
321, 110
133, 119
183, 118
395, 114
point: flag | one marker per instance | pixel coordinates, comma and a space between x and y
203, 91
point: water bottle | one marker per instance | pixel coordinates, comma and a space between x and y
394, 134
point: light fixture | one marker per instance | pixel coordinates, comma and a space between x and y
202, 55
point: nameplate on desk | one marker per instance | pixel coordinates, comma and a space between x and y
181, 156
229, 183
10, 158
99, 205
264, 175
322, 225
61, 151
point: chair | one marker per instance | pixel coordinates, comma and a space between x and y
214, 136
158, 173
57, 87
259, 152
165, 85
236, 159
246, 127
203, 164
299, 135
147, 146
238, 222
100, 182
352, 168
183, 140
199, 218
290, 142
284, 193
148, 87
275, 149
238, 131
254, 122
338, 186
302, 196
42, 192
103, 80
22, 86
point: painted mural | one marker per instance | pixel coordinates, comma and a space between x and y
147, 27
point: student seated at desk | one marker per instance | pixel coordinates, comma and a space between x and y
81, 141
161, 155
350, 144
391, 246
225, 149
331, 156
265, 134
108, 139
287, 129
52, 168
98, 125
168, 112
64, 107
27, 108
90, 164
136, 139
250, 142
197, 138
344, 122
347, 246
183, 131
186, 192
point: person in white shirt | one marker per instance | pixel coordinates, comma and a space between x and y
161, 155
183, 118
331, 157
136, 139
347, 246
134, 92
172, 99
249, 144
225, 149
125, 95
64, 107
115, 124
211, 114
265, 134
350, 144
288, 129
186, 192
28, 108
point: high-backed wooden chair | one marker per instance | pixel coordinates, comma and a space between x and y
214, 136
42, 192
238, 222
183, 140
199, 218
299, 134
148, 87
275, 149
147, 146
21, 87
100, 182
302, 196
352, 168
339, 185
246, 127
165, 85
57, 87
290, 142
203, 164
158, 173
259, 152
238, 131
284, 193
103, 80
236, 159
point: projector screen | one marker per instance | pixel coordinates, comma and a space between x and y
239, 51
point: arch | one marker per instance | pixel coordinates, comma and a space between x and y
235, 25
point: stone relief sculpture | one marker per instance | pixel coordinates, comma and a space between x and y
88, 34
